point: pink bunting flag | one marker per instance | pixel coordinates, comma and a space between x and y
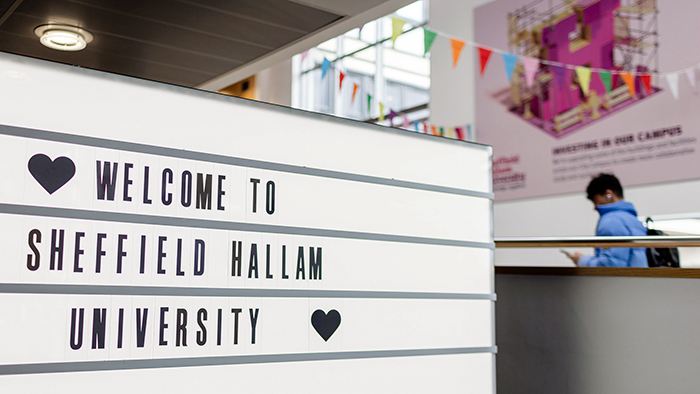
405, 121
304, 55
531, 65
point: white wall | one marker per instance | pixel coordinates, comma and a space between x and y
274, 84
452, 89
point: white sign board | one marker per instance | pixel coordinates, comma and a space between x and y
158, 238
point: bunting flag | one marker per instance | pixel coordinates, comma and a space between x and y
646, 81
354, 92
381, 111
415, 125
470, 136
369, 104
428, 38
559, 75
304, 55
509, 62
425, 128
434, 130
457, 46
392, 115
672, 80
340, 79
691, 79
484, 56
584, 78
324, 67
396, 29
629, 80
460, 135
405, 121
607, 79
531, 65
442, 131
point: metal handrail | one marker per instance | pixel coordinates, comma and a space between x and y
661, 241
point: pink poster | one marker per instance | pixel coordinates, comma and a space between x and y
613, 91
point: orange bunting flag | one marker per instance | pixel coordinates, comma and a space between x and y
457, 46
434, 130
342, 76
484, 56
354, 92
646, 80
629, 80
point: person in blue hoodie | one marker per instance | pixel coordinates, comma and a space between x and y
617, 218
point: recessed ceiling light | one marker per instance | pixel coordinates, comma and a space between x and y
63, 37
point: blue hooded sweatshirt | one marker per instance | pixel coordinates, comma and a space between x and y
617, 219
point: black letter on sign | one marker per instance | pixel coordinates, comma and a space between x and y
120, 251
100, 252
255, 193
236, 257
202, 333
99, 323
165, 197
56, 249
142, 267
270, 204
284, 262
120, 329
178, 259
253, 323
219, 205
161, 254
76, 343
33, 263
127, 181
186, 189
181, 327
78, 252
198, 257
203, 192
141, 327
105, 184
300, 263
163, 326
268, 275
314, 263
218, 329
235, 312
146, 200
253, 263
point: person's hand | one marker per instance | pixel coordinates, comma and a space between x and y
575, 257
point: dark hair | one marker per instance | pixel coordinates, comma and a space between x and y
603, 182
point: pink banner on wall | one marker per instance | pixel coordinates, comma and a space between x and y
552, 136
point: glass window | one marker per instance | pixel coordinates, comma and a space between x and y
397, 77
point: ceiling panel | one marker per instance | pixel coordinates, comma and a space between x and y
174, 41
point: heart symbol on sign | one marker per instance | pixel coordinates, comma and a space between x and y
51, 175
325, 324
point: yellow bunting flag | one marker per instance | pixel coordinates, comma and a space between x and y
457, 46
396, 29
381, 111
584, 78
629, 80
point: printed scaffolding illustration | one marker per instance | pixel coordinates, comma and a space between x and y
614, 35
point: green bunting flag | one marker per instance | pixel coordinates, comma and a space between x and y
605, 77
428, 38
369, 104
